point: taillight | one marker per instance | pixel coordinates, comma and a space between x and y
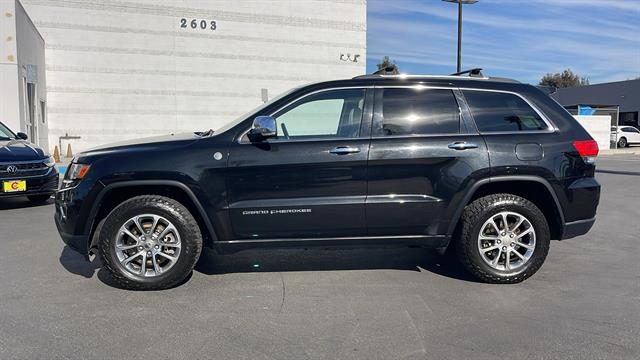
588, 149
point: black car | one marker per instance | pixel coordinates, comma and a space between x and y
489, 168
25, 169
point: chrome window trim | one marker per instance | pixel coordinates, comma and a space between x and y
239, 141
551, 127
418, 136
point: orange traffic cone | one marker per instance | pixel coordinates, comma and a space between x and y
56, 154
69, 152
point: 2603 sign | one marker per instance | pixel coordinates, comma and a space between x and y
198, 24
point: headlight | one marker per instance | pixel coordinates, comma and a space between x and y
50, 162
76, 172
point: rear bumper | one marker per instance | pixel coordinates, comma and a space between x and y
577, 228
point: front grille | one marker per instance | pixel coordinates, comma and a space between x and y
24, 169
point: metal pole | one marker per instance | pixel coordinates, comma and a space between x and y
459, 36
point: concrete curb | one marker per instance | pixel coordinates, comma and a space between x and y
635, 151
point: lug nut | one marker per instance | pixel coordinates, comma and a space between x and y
149, 253
140, 247
513, 244
511, 235
504, 248
157, 246
499, 241
503, 234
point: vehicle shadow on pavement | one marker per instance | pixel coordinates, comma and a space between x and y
618, 172
20, 203
285, 260
76, 263
288, 260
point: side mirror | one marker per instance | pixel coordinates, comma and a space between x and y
22, 136
263, 127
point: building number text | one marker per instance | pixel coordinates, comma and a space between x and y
195, 24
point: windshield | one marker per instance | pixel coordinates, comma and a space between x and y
5, 133
239, 119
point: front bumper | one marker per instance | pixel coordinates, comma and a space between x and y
73, 214
36, 185
78, 243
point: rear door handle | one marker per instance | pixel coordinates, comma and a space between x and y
462, 146
341, 150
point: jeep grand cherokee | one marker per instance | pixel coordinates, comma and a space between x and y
490, 168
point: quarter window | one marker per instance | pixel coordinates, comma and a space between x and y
496, 111
330, 114
411, 111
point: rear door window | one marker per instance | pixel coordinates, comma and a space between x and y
415, 111
502, 112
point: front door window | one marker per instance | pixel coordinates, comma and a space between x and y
334, 114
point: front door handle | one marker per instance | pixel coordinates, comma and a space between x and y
462, 146
342, 150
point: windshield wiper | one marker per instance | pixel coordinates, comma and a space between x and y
4, 138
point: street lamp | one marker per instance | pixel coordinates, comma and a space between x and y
460, 2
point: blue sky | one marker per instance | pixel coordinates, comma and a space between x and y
521, 39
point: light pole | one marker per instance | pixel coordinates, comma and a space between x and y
460, 2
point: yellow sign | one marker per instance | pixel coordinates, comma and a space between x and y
14, 186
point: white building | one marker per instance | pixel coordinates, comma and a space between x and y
23, 96
132, 68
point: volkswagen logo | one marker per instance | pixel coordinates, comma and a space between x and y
12, 169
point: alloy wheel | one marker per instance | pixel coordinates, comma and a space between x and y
507, 241
147, 245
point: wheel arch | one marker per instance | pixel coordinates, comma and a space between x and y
114, 194
625, 139
539, 191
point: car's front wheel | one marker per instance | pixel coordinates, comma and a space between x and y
503, 238
150, 242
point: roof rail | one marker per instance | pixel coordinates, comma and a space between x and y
475, 72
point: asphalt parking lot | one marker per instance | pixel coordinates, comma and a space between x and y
330, 304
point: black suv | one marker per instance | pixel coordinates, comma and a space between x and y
25, 169
491, 168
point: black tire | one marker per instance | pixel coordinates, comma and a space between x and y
172, 210
622, 143
38, 199
480, 211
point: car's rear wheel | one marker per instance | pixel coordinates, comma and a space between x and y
503, 239
149, 243
38, 199
622, 143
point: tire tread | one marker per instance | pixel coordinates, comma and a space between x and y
193, 246
472, 214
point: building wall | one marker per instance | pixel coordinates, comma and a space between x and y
31, 69
21, 61
599, 127
125, 69
9, 102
